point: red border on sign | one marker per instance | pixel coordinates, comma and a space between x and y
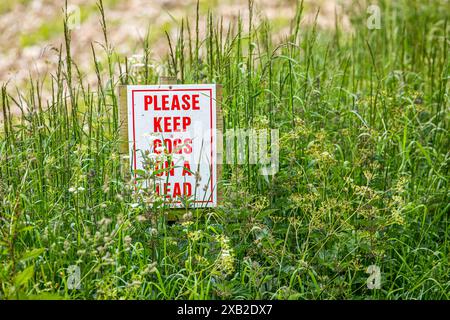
211, 126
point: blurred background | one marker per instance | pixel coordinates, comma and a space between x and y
31, 31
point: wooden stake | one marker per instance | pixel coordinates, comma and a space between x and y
167, 80
123, 131
123, 119
219, 143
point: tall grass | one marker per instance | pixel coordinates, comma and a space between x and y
363, 178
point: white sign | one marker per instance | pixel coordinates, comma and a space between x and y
176, 126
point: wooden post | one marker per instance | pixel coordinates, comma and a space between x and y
219, 143
123, 131
123, 119
167, 80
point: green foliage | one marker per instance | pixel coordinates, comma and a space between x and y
363, 177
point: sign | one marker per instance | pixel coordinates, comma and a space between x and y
174, 128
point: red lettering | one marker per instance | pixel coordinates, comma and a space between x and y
176, 124
148, 100
186, 169
175, 103
186, 104
167, 189
165, 101
171, 168
188, 147
187, 189
176, 146
168, 146
186, 122
195, 102
157, 146
176, 190
165, 169
157, 124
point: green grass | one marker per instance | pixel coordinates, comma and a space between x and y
364, 168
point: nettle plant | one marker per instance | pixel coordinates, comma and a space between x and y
362, 116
